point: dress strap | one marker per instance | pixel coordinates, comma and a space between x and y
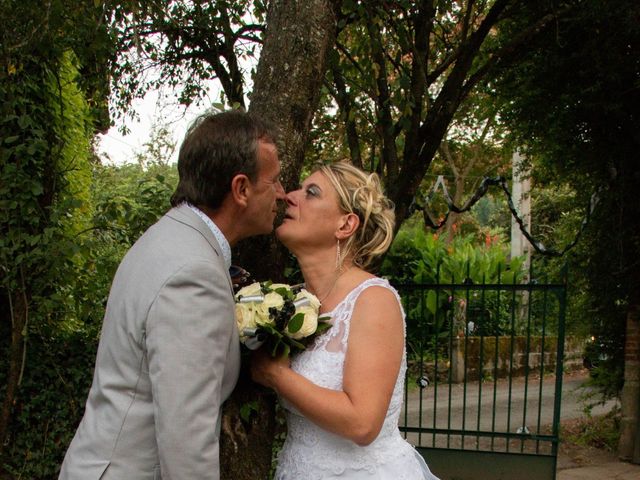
353, 295
348, 304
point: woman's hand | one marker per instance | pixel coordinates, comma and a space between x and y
266, 370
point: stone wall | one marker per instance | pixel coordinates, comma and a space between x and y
511, 356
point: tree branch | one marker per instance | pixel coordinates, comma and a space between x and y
345, 105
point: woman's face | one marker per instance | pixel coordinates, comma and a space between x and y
312, 216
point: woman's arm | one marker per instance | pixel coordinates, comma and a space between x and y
373, 357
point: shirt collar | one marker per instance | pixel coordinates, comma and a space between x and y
217, 233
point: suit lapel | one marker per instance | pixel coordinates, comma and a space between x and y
188, 217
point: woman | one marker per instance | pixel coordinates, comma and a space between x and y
344, 393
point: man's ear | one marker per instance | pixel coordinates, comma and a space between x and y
240, 189
348, 226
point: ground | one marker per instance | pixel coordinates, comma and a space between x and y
588, 441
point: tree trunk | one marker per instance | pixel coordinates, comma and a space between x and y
450, 225
286, 91
290, 73
629, 443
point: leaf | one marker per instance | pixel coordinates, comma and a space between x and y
246, 409
284, 292
295, 323
36, 189
322, 327
295, 343
432, 301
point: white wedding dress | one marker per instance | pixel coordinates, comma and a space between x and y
311, 453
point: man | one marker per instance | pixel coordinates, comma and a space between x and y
169, 352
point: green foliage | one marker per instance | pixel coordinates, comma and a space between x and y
247, 410
602, 432
63, 229
420, 257
125, 201
58, 374
187, 44
423, 257
130, 198
573, 103
45, 128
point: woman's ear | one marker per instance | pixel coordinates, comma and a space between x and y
348, 226
240, 186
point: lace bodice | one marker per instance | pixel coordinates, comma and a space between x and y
313, 453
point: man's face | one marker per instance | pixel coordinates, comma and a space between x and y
266, 191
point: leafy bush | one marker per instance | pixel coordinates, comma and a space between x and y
423, 257
418, 257
63, 333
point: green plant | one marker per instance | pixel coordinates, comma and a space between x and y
418, 257
595, 431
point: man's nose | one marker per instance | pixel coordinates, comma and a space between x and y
280, 193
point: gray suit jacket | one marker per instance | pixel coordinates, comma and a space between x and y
168, 357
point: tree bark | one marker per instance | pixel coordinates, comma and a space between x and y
286, 91
292, 65
629, 443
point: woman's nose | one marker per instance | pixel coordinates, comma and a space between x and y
290, 198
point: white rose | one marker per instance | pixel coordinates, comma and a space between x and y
249, 290
309, 324
271, 300
306, 295
245, 318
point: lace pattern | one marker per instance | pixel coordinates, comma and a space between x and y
312, 453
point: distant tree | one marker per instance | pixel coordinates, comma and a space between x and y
402, 70
473, 148
574, 103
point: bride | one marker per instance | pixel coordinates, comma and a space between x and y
343, 394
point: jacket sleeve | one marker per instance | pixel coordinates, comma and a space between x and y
189, 328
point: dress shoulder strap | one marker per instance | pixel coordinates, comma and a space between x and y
347, 305
341, 315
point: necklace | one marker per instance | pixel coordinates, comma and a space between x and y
330, 290
335, 282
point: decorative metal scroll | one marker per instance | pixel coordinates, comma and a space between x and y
481, 192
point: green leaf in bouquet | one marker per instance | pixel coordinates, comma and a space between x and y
265, 287
322, 327
295, 323
296, 344
271, 330
284, 293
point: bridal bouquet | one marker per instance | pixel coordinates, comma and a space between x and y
282, 316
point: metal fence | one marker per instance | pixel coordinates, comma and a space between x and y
484, 377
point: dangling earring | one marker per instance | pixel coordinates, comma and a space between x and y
338, 262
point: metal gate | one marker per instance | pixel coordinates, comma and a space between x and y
484, 377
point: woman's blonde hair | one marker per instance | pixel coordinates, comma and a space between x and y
361, 193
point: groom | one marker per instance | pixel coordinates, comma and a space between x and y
168, 354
